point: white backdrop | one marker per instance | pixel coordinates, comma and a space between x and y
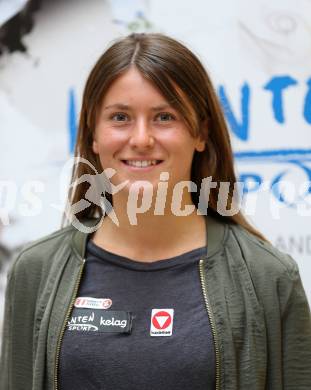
258, 56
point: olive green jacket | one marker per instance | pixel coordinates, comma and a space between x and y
253, 293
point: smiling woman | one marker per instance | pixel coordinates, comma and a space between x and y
175, 300
136, 79
143, 140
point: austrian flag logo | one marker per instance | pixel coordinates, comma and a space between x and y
161, 322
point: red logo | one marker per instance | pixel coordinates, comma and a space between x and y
161, 320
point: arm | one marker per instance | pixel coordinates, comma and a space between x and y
296, 335
17, 335
6, 347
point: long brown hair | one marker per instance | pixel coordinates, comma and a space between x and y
183, 81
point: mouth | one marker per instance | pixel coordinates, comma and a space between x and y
141, 164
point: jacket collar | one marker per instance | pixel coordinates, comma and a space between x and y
79, 238
216, 234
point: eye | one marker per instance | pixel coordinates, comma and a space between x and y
165, 116
119, 117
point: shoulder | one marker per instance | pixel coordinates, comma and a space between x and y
38, 255
241, 248
259, 255
273, 275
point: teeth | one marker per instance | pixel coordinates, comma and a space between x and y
141, 164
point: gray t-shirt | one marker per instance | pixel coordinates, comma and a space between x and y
138, 325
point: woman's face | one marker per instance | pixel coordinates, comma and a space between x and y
140, 135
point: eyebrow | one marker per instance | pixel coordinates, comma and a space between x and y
121, 106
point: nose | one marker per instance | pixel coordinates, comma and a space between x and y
141, 136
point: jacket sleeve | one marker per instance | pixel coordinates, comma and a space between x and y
17, 335
296, 334
6, 337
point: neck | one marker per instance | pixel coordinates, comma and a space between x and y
152, 236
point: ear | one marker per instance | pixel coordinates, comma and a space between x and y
200, 146
201, 140
95, 147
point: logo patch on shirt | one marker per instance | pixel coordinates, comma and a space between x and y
161, 323
87, 320
93, 303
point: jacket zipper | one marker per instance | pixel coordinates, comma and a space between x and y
212, 322
75, 291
